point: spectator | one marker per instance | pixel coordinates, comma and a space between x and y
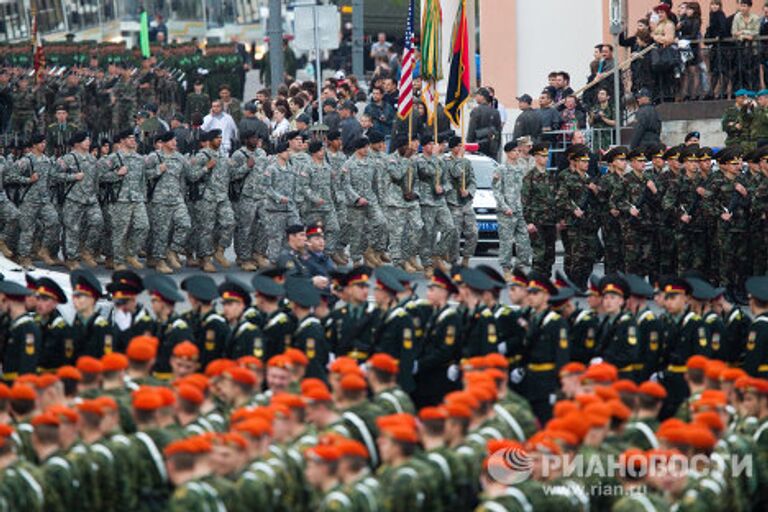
361, 101
366, 123
391, 93
647, 122
689, 28
572, 117
562, 88
589, 95
528, 123
485, 124
280, 123
664, 57
382, 113
230, 104
330, 116
217, 119
251, 123
495, 103
718, 28
380, 48
763, 45
296, 106
394, 60
640, 68
745, 27
549, 116
349, 126
601, 118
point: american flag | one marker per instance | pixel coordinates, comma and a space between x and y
405, 100
38, 55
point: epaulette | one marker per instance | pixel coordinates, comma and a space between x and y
711, 317
417, 303
245, 326
23, 319
691, 316
503, 311
550, 317
179, 323
144, 316
647, 315
582, 316
101, 322
310, 320
487, 313
279, 318
59, 322
735, 315
626, 317
211, 318
445, 314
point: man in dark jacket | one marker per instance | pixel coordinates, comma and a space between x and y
647, 121
485, 124
528, 122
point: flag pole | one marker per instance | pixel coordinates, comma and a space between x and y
461, 123
437, 102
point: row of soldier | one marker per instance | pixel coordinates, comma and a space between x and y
400, 207
272, 432
658, 210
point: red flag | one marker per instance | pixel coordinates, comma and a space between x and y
457, 91
38, 54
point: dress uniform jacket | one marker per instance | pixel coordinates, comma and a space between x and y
23, 348
756, 348
58, 344
309, 337
441, 349
619, 343
682, 336
393, 334
244, 340
93, 336
582, 333
171, 333
479, 332
351, 332
276, 331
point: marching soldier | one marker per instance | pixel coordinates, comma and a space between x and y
755, 360
59, 133
317, 193
459, 198
273, 320
507, 189
582, 324
25, 101
649, 327
612, 185
209, 329
309, 336
479, 333
336, 158
618, 341
668, 245
351, 330
129, 318
90, 330
58, 343
170, 328
167, 172
281, 182
538, 197
9, 213
24, 340
245, 338
81, 214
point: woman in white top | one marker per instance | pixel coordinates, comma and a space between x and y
280, 124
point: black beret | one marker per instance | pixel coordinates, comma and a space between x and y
426, 139
281, 147
374, 137
361, 142
292, 134
315, 146
294, 228
398, 142
77, 138
36, 138
212, 134
509, 146
167, 136
333, 135
454, 141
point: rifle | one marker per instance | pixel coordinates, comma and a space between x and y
194, 192
152, 184
62, 193
236, 186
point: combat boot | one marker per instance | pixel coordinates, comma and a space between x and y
429, 271
338, 259
26, 263
88, 260
71, 265
438, 262
5, 250
248, 266
109, 263
370, 258
406, 265
414, 261
261, 260
465, 261
384, 257
207, 265
120, 266
151, 262
191, 261
173, 260
45, 257
134, 262
163, 268
220, 259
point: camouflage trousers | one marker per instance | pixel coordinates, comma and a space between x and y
9, 214
106, 231
691, 250
32, 216
215, 225
345, 228
613, 242
513, 237
543, 248
368, 229
734, 256
23, 123
329, 222
83, 225
667, 245
404, 227
276, 223
169, 229
438, 221
581, 252
246, 225
466, 225
757, 259
639, 257
130, 227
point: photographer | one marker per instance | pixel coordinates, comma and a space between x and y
601, 117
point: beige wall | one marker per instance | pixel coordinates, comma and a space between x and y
498, 47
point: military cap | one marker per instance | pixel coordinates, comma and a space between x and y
615, 284
14, 291
643, 93
728, 156
77, 138
539, 282
315, 146
315, 229
251, 106
706, 153
655, 151
493, 275
142, 114
578, 152
126, 283
637, 154
563, 281
519, 278
47, 287
85, 282
692, 135
509, 146
232, 289
638, 286
757, 286
60, 108
562, 296
30, 281
476, 279
266, 286
330, 102
333, 135
741, 92
675, 285
281, 147
426, 139
348, 105
359, 275
672, 153
688, 153
540, 150
166, 136
374, 137
164, 291
201, 287
36, 138
303, 118
442, 280
292, 134
388, 280
301, 291
616, 153
205, 136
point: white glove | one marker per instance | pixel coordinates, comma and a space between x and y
516, 375
503, 348
656, 377
415, 368
453, 372
595, 360
331, 357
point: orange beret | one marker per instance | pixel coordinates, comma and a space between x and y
625, 386
140, 349
653, 389
69, 372
342, 364
401, 432
88, 364
187, 350
217, 367
250, 362
46, 418
633, 459
732, 374
107, 402
351, 382
233, 439
458, 410
474, 363
22, 392
697, 362
190, 393
496, 360
384, 362
46, 380
180, 446
543, 445
584, 399
64, 412
433, 413
91, 406
600, 408
714, 395
495, 445
619, 410
670, 424
145, 338
576, 423
167, 395
6, 430
309, 382
714, 369
601, 372
352, 448
316, 394
147, 400
296, 356
606, 392
5, 391
114, 362
564, 407
401, 418
279, 361
323, 453
289, 399
572, 368
709, 419
242, 375
496, 374
462, 397
255, 427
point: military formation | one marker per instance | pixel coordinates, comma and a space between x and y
281, 394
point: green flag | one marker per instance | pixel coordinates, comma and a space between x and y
431, 66
144, 35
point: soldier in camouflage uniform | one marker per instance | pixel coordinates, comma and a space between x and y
317, 194
281, 183
737, 119
668, 249
124, 101
33, 174
459, 198
167, 172
8, 212
378, 157
246, 194
507, 190
538, 196
58, 133
363, 207
81, 215
213, 211
336, 158
759, 125
611, 189
130, 225
25, 104
197, 101
71, 96
434, 183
